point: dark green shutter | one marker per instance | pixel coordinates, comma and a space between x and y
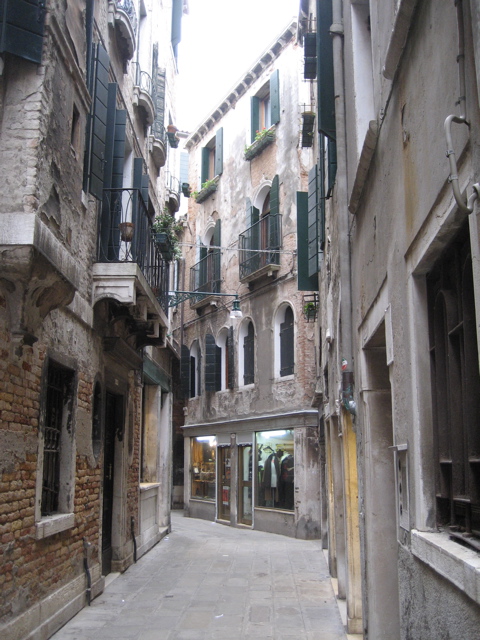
325, 84
287, 351
119, 148
310, 53
95, 154
332, 166
210, 363
313, 221
199, 371
254, 117
202, 271
275, 196
218, 368
275, 96
249, 355
305, 282
21, 28
219, 152
185, 371
205, 164
231, 359
217, 241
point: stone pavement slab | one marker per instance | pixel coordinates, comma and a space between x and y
206, 581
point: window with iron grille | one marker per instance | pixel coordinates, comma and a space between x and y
58, 423
455, 388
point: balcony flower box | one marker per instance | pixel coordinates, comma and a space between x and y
208, 187
262, 140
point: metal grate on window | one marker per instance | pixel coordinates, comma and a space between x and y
58, 388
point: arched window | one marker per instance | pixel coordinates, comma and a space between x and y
225, 343
284, 342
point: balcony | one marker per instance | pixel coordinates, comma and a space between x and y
259, 248
130, 268
123, 17
173, 192
143, 93
205, 277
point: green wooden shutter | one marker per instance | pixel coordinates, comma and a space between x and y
217, 241
205, 167
304, 281
199, 371
312, 238
95, 154
310, 53
202, 277
275, 96
219, 152
287, 352
254, 117
120, 136
210, 363
332, 166
325, 84
185, 371
21, 28
249, 355
231, 359
275, 196
218, 368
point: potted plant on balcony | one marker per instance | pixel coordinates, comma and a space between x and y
164, 231
263, 138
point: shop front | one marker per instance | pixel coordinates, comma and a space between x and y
260, 473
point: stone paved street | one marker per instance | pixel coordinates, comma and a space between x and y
207, 581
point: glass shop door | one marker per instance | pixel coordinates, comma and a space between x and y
245, 470
224, 483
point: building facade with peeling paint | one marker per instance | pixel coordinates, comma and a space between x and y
251, 433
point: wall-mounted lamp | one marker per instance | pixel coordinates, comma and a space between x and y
177, 297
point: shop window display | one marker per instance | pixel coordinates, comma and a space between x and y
275, 469
203, 467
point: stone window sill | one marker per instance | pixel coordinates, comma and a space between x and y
50, 525
458, 565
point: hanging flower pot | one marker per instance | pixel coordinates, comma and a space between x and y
164, 244
126, 231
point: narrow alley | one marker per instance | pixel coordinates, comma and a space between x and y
206, 581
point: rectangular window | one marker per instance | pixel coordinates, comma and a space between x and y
203, 454
212, 158
455, 388
275, 469
57, 440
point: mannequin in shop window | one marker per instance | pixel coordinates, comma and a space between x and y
271, 477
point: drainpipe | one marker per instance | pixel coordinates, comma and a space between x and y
88, 591
465, 207
336, 31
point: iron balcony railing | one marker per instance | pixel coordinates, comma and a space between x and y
128, 7
142, 79
205, 275
260, 244
125, 236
